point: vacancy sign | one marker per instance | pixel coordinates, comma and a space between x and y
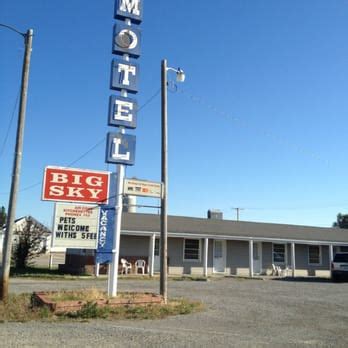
142, 188
75, 185
75, 226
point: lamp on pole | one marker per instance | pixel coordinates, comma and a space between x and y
180, 77
7, 248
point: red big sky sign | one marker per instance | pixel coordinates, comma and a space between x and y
75, 185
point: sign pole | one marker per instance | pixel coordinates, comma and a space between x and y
52, 236
122, 110
112, 284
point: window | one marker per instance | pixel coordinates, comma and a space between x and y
192, 250
279, 253
157, 247
314, 255
341, 258
344, 249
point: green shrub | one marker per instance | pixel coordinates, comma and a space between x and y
90, 311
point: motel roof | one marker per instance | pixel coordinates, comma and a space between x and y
180, 226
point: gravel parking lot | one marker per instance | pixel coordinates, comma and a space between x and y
239, 312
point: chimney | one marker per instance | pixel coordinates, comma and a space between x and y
215, 214
130, 204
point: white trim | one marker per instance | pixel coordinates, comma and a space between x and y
251, 258
320, 256
293, 259
206, 248
152, 254
240, 238
199, 250
330, 254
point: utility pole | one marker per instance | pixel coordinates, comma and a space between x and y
164, 179
237, 211
7, 249
180, 77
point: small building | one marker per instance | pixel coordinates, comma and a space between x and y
20, 224
198, 246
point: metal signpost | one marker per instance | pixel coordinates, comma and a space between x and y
120, 148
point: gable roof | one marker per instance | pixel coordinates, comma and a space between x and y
180, 226
21, 222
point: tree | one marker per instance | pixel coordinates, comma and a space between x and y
342, 221
3, 216
28, 244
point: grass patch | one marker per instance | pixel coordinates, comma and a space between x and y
19, 309
55, 274
174, 307
78, 295
191, 278
137, 277
42, 273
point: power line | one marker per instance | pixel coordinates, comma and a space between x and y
199, 100
103, 139
10, 124
87, 152
299, 208
148, 101
13, 29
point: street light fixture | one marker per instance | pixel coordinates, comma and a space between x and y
7, 249
180, 77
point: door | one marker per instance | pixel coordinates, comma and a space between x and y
219, 262
257, 259
156, 260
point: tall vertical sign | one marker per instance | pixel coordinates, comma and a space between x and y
120, 147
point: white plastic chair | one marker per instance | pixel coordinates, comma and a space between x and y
278, 271
140, 264
283, 272
275, 270
126, 266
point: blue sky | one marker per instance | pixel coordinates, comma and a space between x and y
259, 123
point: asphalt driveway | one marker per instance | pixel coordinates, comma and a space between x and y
239, 312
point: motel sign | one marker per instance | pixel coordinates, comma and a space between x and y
75, 185
120, 147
